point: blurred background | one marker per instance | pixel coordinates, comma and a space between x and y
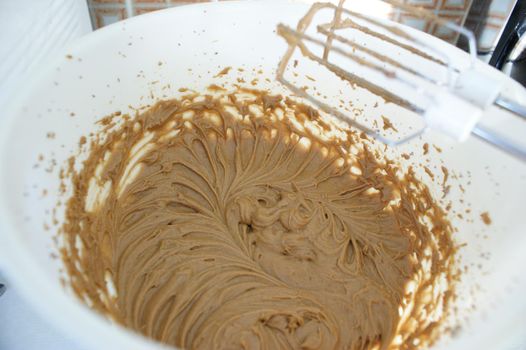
484, 17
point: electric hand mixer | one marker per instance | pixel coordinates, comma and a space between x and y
450, 99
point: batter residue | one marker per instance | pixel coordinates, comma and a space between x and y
246, 221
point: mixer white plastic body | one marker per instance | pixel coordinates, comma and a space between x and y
185, 47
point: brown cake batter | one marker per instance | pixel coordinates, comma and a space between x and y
245, 221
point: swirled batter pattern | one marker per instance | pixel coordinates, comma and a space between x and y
247, 221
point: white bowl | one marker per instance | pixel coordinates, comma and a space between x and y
118, 66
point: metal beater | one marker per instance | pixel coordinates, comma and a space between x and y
451, 103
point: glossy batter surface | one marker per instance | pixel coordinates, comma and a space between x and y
246, 221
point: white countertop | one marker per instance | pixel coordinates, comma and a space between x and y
22, 328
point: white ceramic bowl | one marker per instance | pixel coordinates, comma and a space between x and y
119, 65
